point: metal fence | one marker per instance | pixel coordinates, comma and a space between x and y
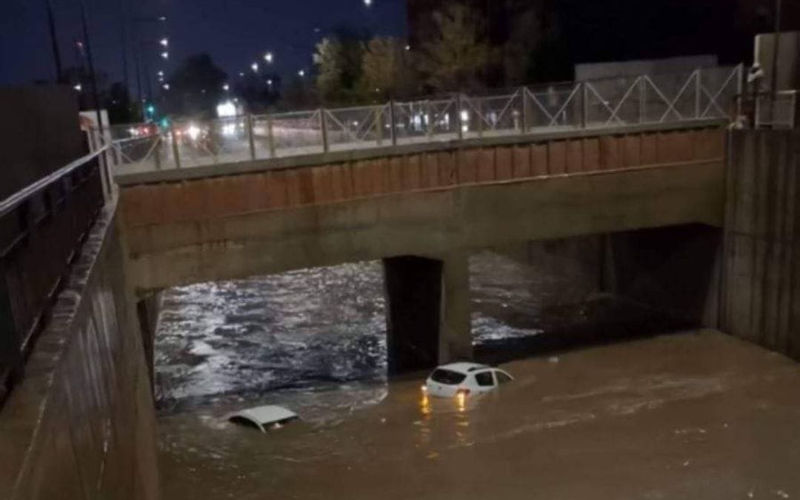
648, 99
41, 229
778, 112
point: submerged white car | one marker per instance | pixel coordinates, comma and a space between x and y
263, 418
463, 379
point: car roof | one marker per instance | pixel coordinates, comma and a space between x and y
463, 367
265, 415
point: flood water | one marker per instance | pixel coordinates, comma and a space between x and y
688, 415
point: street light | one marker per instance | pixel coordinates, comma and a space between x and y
226, 87
78, 87
268, 57
368, 3
165, 55
301, 73
165, 86
254, 67
164, 42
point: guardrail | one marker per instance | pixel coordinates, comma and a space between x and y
702, 94
779, 111
41, 230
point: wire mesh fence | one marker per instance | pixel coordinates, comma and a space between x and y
613, 102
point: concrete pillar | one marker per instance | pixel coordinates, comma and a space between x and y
455, 337
427, 316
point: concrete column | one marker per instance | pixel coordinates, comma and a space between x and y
427, 316
455, 338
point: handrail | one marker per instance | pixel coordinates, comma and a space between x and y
20, 196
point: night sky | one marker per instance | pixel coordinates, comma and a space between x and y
235, 32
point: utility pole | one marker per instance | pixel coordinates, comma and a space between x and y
54, 40
90, 59
123, 11
775, 48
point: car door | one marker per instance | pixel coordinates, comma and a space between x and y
502, 377
484, 381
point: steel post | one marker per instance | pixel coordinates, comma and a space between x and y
157, 152
523, 92
393, 122
459, 120
175, 147
323, 127
270, 137
698, 93
250, 140
379, 125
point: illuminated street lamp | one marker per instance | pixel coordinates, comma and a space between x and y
164, 42
268, 57
254, 67
226, 87
78, 87
165, 86
301, 73
368, 3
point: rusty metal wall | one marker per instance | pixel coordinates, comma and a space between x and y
197, 200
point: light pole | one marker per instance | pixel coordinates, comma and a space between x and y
51, 23
90, 59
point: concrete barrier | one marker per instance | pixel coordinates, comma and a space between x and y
81, 424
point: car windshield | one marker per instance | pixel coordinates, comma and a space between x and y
447, 377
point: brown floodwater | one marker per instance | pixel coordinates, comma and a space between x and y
690, 415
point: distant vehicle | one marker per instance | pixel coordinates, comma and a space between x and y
464, 379
263, 417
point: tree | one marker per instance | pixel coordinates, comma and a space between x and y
386, 70
338, 60
195, 87
458, 55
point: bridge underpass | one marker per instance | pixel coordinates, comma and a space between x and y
422, 213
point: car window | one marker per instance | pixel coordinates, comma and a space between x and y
502, 378
484, 379
447, 377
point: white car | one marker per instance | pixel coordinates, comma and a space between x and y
463, 379
263, 418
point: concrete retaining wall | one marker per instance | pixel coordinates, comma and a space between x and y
81, 424
761, 265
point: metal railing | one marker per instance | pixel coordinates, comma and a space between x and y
41, 230
779, 111
702, 94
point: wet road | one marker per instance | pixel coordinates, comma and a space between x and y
693, 415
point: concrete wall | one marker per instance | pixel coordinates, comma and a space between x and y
788, 59
81, 424
39, 133
429, 205
761, 265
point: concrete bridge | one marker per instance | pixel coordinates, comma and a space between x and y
437, 203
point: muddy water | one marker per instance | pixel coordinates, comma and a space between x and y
695, 415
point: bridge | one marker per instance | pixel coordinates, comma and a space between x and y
421, 185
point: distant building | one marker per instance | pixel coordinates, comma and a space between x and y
685, 64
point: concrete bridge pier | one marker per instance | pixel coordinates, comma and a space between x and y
428, 317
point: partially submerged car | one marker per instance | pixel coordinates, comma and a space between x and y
263, 417
464, 379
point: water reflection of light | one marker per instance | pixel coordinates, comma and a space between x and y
461, 400
425, 404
